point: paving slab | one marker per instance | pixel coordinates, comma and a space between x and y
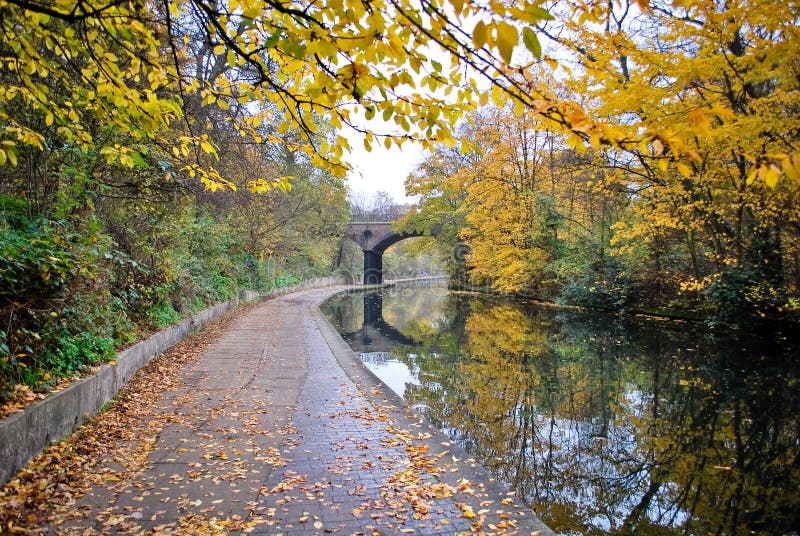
277, 428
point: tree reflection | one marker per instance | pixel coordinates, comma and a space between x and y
617, 427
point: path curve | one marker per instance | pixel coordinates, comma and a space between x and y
278, 428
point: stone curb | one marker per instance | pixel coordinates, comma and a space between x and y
26, 433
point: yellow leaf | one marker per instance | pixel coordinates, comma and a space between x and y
770, 175
498, 97
207, 147
532, 42
594, 140
752, 175
658, 147
507, 38
519, 108
251, 11
791, 168
683, 169
479, 34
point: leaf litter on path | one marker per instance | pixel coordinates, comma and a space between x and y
109, 451
420, 489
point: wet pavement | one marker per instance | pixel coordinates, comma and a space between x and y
277, 428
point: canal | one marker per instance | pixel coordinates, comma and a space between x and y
602, 423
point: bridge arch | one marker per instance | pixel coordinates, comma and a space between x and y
374, 238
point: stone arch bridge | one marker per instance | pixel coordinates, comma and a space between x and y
374, 238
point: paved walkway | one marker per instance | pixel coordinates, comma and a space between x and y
277, 429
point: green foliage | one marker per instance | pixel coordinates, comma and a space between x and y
742, 297
284, 279
107, 258
75, 351
603, 285
71, 299
48, 269
163, 314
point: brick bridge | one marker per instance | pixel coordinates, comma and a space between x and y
374, 238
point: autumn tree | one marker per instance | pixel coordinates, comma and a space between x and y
441, 198
147, 67
140, 65
723, 78
691, 214
533, 214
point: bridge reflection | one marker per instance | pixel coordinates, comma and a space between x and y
375, 334
358, 315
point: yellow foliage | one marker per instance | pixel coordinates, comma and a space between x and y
712, 81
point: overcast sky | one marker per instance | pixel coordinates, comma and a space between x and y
381, 169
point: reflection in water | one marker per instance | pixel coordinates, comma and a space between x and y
603, 424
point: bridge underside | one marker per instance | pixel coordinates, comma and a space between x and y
375, 238
373, 267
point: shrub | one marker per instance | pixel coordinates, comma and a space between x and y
603, 286
742, 296
53, 295
163, 315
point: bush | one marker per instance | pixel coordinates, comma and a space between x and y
53, 296
76, 350
741, 296
603, 286
163, 315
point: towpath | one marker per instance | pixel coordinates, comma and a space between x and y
276, 428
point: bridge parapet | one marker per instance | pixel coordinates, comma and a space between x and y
369, 235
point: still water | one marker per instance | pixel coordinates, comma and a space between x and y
604, 424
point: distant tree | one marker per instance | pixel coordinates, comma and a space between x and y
379, 206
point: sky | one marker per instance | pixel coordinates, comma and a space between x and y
381, 169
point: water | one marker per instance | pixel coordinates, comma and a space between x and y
603, 424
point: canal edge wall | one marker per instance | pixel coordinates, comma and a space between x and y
26, 433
